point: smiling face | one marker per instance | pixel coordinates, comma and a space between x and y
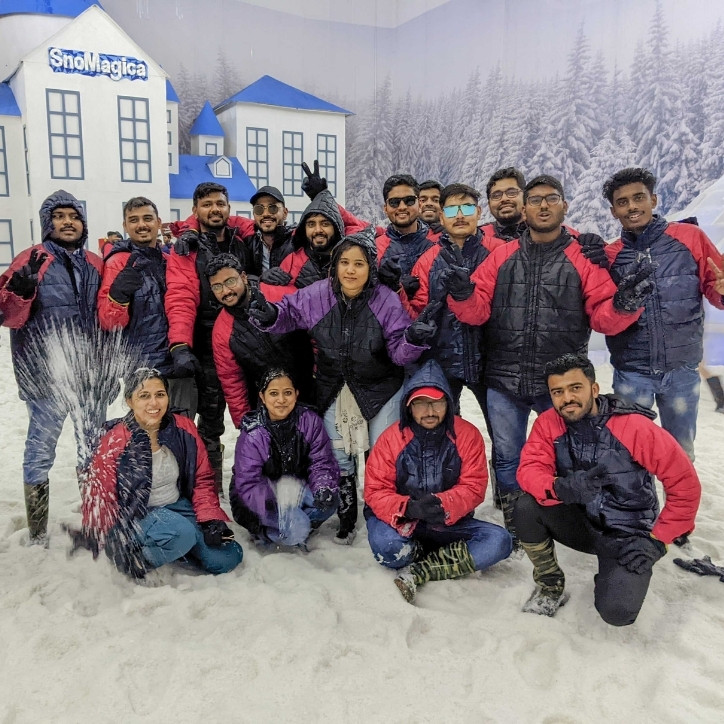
228, 286
459, 227
573, 395
402, 216
320, 231
353, 271
279, 398
429, 201
508, 208
269, 213
142, 225
67, 226
149, 403
212, 211
633, 205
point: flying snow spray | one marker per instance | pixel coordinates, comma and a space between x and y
294, 525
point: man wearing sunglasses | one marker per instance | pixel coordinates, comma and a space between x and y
540, 297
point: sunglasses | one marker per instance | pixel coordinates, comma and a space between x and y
509, 193
452, 211
258, 209
229, 283
395, 201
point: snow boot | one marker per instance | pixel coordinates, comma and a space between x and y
507, 505
347, 510
37, 502
450, 561
494, 486
216, 458
717, 392
549, 595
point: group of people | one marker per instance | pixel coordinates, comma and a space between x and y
334, 340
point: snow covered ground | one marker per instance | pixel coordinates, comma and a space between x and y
327, 637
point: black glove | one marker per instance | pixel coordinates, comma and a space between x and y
634, 288
639, 553
308, 274
313, 183
389, 271
123, 547
265, 313
275, 276
424, 329
128, 281
593, 247
325, 499
244, 516
580, 486
410, 284
701, 566
216, 533
24, 281
80, 539
187, 242
185, 363
428, 508
456, 282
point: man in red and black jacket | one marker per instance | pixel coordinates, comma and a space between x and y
588, 468
430, 209
504, 191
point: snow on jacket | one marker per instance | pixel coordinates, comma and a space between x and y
358, 341
408, 461
143, 319
266, 450
669, 334
410, 247
120, 474
66, 292
457, 347
633, 449
539, 301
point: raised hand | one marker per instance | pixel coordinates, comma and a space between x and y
718, 274
424, 329
593, 247
634, 288
24, 280
313, 183
187, 242
264, 312
128, 281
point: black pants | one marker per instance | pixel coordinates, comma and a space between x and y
481, 395
618, 593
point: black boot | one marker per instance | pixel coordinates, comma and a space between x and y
507, 505
347, 510
37, 502
717, 392
216, 458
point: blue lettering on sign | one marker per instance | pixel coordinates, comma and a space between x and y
85, 62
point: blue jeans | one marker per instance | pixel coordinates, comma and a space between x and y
296, 524
171, 532
46, 418
488, 543
677, 398
509, 423
389, 413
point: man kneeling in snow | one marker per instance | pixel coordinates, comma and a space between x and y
588, 466
423, 480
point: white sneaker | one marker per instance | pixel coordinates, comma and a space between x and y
405, 582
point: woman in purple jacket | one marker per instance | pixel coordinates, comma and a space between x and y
286, 479
362, 338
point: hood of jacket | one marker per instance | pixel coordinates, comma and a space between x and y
609, 405
323, 203
365, 240
57, 200
430, 374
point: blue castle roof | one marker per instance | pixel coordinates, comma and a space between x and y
171, 93
206, 123
8, 104
272, 92
67, 8
194, 170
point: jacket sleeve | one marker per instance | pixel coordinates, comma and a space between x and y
421, 270
380, 491
295, 310
183, 296
231, 375
351, 223
476, 308
112, 314
292, 264
655, 449
16, 310
537, 468
323, 467
469, 492
251, 486
701, 249
394, 321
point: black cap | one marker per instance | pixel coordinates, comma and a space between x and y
272, 191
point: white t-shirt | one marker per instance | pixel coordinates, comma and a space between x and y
164, 480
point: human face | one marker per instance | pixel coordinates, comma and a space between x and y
67, 226
142, 225
353, 271
545, 218
149, 403
573, 395
506, 209
404, 217
263, 216
279, 398
230, 286
633, 206
428, 413
429, 201
212, 211
319, 230
460, 226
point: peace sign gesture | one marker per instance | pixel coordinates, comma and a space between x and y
719, 274
313, 183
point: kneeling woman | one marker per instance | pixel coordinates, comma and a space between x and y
286, 478
151, 497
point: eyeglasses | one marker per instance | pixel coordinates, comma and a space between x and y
550, 199
229, 283
436, 405
509, 193
395, 201
258, 209
452, 211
